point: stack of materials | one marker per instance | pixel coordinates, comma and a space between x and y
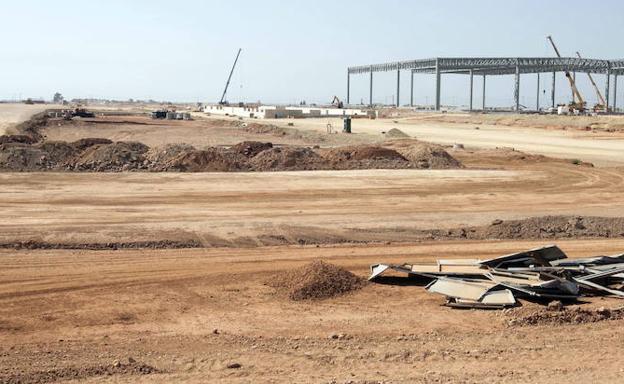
541, 274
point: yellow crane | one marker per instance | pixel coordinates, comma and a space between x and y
602, 102
576, 95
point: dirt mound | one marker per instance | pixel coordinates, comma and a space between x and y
57, 153
555, 227
17, 139
425, 155
264, 129
119, 156
83, 144
21, 158
288, 159
72, 373
251, 148
362, 152
396, 133
166, 153
567, 316
317, 280
207, 160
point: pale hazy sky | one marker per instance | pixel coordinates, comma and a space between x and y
292, 50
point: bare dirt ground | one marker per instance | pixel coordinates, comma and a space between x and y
186, 315
190, 313
597, 146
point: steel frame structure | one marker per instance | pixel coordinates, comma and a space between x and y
491, 66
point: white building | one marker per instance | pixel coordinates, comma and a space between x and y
280, 112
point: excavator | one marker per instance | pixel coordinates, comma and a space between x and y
336, 102
578, 104
600, 107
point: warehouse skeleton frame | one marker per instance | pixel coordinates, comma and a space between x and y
482, 66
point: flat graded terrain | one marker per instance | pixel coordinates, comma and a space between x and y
191, 313
79, 304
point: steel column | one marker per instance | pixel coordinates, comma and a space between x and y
552, 91
370, 95
348, 88
398, 100
537, 108
438, 79
517, 89
608, 90
615, 81
483, 96
412, 89
471, 87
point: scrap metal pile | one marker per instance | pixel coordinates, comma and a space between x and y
539, 274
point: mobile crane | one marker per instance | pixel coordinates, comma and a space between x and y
578, 104
602, 102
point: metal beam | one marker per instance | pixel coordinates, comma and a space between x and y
483, 97
412, 89
348, 88
537, 103
552, 91
398, 100
615, 81
517, 89
438, 79
370, 95
471, 87
607, 91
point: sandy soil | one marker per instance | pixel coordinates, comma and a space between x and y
188, 314
67, 309
599, 148
11, 114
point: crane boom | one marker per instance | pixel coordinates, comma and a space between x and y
575, 90
591, 79
227, 85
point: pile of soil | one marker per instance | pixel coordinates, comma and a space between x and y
425, 155
365, 157
396, 133
208, 160
166, 153
83, 144
17, 139
119, 156
549, 227
287, 159
21, 158
264, 129
567, 316
58, 153
251, 148
315, 281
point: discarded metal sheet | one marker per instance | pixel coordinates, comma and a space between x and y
592, 285
460, 289
599, 260
539, 256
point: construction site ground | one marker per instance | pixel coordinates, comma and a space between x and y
207, 314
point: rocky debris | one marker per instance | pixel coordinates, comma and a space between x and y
21, 158
160, 244
208, 160
575, 315
251, 148
31, 127
78, 373
317, 280
17, 139
288, 159
119, 156
83, 144
166, 153
57, 153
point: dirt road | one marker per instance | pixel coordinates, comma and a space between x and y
73, 313
589, 147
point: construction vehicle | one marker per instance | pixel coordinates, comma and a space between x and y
336, 102
227, 84
578, 104
599, 107
69, 114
